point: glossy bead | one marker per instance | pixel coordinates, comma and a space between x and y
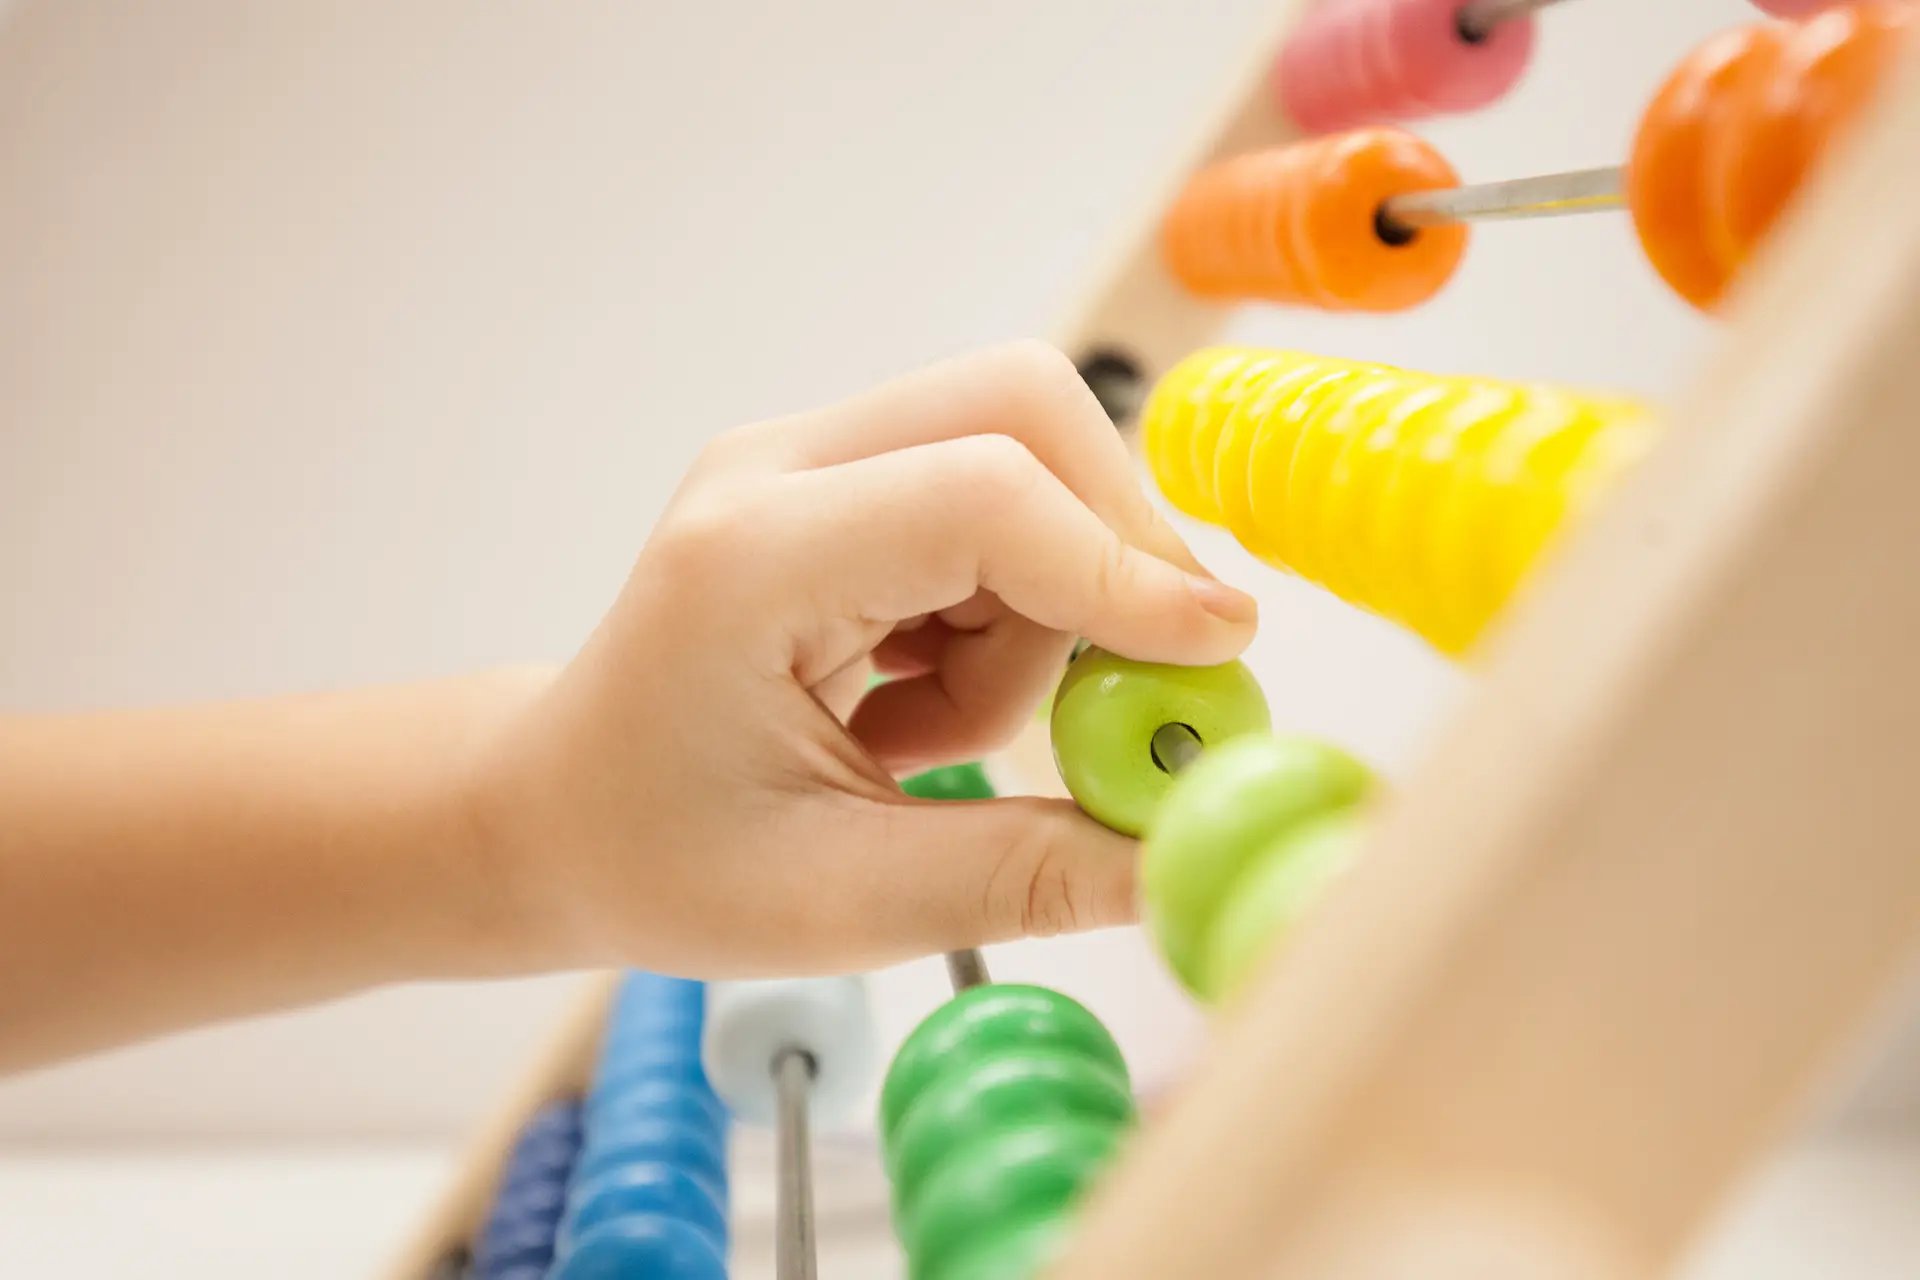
523, 1221
954, 782
1280, 885
1229, 813
639, 1190
984, 1024
1425, 498
1370, 61
1299, 225
1002, 1183
1108, 710
694, 1145
998, 1112
649, 1192
650, 1246
1036, 1086
1727, 144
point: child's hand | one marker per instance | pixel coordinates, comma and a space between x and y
704, 789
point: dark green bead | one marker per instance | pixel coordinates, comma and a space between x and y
985, 1024
1020, 1089
955, 782
1000, 1183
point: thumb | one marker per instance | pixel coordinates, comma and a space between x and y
961, 873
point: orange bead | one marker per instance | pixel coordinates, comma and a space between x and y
1729, 140
1299, 224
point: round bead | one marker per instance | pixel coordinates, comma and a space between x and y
1267, 902
1108, 710
984, 1024
1227, 812
1034, 1088
637, 1190
1002, 1183
1011, 1254
643, 1246
750, 1023
697, 1148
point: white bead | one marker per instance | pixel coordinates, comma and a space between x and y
750, 1023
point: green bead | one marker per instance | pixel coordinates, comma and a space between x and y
1000, 1184
1108, 709
985, 1023
955, 782
1228, 809
1270, 899
1017, 1253
1031, 1087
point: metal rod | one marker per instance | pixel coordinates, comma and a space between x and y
793, 1247
1477, 18
1175, 746
967, 969
1551, 195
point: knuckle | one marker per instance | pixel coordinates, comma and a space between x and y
1113, 576
1044, 380
1035, 891
997, 469
701, 538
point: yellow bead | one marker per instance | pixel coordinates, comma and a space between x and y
1426, 499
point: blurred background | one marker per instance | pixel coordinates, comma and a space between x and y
356, 341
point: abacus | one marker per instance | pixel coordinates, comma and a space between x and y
1536, 1011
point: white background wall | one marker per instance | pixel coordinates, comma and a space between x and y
351, 341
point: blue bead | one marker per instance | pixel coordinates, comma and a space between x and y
641, 1190
700, 1151
646, 1248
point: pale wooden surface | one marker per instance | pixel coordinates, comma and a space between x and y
1657, 876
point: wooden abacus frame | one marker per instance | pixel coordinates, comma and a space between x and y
1650, 885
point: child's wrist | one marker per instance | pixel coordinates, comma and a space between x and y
511, 918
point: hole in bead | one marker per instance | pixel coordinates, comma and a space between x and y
1117, 382
1174, 746
1393, 233
1467, 29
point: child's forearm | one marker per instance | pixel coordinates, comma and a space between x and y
160, 868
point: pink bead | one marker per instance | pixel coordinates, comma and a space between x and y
1793, 8
1355, 62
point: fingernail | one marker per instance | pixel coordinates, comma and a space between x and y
1223, 601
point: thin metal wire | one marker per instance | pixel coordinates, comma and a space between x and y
967, 969
794, 1253
1551, 195
1478, 18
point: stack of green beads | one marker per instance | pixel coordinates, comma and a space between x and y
998, 1112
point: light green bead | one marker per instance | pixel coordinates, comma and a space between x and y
1284, 883
1228, 808
1107, 710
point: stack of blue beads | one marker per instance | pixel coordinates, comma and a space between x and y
516, 1240
648, 1195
